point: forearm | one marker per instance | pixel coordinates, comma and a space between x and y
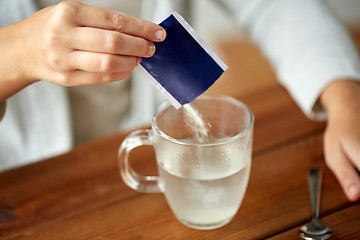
340, 95
13, 76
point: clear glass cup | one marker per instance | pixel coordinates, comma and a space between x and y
204, 182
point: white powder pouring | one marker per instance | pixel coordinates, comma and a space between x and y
195, 121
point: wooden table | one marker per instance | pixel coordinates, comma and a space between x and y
80, 195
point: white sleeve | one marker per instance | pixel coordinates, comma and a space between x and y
306, 45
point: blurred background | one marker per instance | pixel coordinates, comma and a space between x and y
213, 24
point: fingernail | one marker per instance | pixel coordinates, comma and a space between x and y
151, 49
138, 61
160, 34
353, 191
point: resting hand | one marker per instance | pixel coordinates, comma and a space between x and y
341, 99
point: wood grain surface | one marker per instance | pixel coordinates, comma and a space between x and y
80, 195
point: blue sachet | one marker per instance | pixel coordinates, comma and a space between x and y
183, 66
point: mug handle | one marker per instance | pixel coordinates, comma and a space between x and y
138, 182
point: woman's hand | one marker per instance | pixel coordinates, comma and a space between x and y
75, 44
341, 99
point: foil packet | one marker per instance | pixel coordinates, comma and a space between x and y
183, 66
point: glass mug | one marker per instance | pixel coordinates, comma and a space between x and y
204, 182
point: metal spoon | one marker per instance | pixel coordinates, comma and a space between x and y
315, 230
